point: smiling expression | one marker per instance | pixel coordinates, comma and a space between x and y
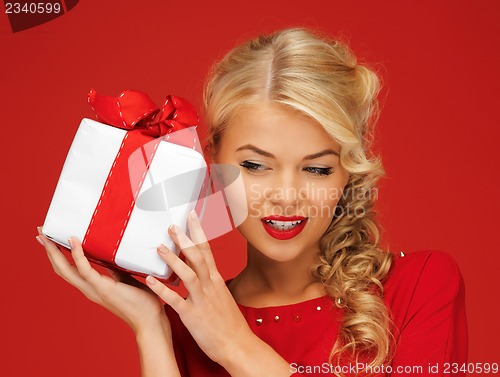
292, 176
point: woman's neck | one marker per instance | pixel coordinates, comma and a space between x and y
266, 282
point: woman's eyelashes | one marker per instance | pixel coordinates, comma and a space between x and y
254, 167
319, 171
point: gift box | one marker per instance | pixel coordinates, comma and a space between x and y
126, 179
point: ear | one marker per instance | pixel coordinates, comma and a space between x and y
207, 151
210, 153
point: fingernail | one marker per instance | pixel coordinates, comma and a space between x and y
151, 280
70, 241
39, 228
193, 215
40, 241
174, 229
163, 249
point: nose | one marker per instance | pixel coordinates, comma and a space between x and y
287, 191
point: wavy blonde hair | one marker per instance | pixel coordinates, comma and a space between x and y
322, 79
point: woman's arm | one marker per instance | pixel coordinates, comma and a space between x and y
156, 350
433, 330
125, 297
251, 357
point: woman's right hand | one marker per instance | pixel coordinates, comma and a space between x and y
121, 294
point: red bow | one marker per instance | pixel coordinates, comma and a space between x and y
135, 110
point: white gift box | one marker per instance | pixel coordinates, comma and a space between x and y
169, 191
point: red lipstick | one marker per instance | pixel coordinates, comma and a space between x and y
284, 227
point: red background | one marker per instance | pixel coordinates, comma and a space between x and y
438, 135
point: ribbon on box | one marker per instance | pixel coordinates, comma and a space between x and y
146, 125
135, 110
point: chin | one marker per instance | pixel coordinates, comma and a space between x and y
280, 251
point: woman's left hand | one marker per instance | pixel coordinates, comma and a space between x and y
209, 312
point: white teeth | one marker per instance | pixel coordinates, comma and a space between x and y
283, 225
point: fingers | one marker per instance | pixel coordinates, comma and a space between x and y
82, 275
200, 269
198, 237
166, 294
195, 257
124, 277
186, 274
196, 232
63, 268
86, 271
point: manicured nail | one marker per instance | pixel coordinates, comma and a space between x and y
40, 241
151, 280
39, 229
163, 249
70, 241
193, 215
174, 229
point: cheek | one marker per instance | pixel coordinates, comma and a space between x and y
235, 192
322, 200
256, 198
321, 216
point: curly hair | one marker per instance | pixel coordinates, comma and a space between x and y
321, 78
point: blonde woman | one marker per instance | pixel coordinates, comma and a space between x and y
293, 112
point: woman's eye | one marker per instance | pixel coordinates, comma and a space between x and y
252, 166
319, 171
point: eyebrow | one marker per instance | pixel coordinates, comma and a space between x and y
270, 155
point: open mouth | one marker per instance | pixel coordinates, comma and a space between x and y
284, 228
283, 225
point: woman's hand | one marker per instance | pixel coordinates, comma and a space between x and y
125, 297
210, 313
121, 294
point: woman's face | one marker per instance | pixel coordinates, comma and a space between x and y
292, 177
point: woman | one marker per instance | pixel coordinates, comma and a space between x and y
293, 112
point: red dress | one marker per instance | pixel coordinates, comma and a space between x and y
424, 292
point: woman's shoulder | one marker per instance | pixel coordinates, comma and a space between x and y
422, 278
439, 264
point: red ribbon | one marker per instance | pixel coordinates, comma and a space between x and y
133, 109
136, 112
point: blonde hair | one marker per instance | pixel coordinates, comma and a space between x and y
322, 79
